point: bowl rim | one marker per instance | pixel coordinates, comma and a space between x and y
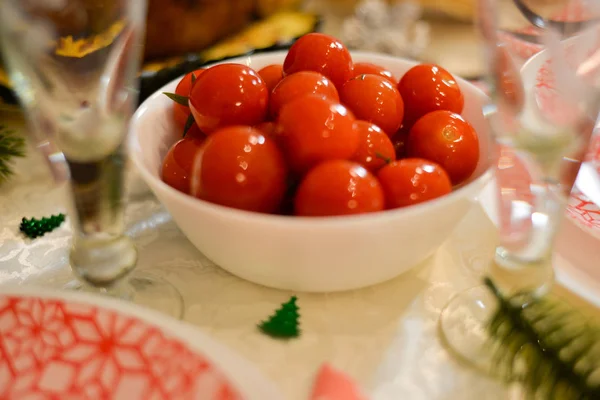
300, 221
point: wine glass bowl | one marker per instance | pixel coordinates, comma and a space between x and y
545, 102
308, 254
74, 66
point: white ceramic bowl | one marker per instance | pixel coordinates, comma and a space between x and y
307, 254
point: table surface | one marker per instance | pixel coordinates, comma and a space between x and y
384, 336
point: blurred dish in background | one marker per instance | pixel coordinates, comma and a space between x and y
276, 31
436, 31
460, 10
451, 38
177, 27
396, 29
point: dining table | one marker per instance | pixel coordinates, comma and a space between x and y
385, 336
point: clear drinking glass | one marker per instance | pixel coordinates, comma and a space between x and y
74, 66
542, 122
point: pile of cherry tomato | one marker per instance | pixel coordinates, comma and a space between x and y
320, 135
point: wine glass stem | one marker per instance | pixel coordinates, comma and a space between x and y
526, 263
101, 254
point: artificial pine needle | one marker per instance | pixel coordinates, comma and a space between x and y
543, 343
11, 147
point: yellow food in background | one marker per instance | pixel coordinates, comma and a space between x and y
178, 27
281, 27
458, 9
67, 47
265, 8
3, 78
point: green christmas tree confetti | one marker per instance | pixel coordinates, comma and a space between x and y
284, 322
33, 228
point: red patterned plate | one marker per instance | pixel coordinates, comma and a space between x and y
584, 205
584, 211
56, 345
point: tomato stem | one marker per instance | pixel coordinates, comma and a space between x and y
179, 99
361, 77
382, 157
188, 124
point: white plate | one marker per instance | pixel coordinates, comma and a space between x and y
68, 345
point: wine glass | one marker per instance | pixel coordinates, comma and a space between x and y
74, 66
541, 131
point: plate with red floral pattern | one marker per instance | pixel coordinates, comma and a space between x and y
584, 211
584, 204
65, 345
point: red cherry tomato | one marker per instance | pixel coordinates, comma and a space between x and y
446, 138
373, 98
300, 84
271, 74
241, 168
375, 149
364, 68
427, 87
338, 187
411, 181
184, 87
320, 53
314, 129
177, 164
226, 95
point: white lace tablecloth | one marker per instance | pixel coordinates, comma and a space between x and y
383, 336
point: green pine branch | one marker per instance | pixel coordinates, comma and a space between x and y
11, 147
552, 349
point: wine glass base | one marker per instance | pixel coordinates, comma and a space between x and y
463, 328
144, 289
